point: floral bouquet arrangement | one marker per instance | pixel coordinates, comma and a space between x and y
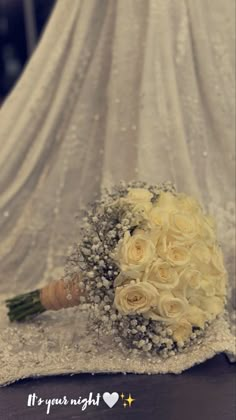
148, 268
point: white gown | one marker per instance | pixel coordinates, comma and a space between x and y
126, 89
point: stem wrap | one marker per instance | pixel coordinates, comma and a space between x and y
54, 296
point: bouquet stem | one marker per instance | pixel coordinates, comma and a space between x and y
24, 306
55, 296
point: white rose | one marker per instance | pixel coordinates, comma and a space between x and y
188, 204
200, 254
167, 201
135, 298
183, 227
169, 308
123, 279
140, 201
135, 252
192, 278
210, 221
142, 207
189, 281
208, 286
158, 217
153, 233
220, 283
181, 330
139, 194
207, 229
162, 275
177, 255
196, 316
214, 305
217, 260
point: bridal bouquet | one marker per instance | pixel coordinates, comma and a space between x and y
148, 268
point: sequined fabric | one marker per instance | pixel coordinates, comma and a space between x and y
115, 90
67, 344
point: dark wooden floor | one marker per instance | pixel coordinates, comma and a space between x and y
205, 392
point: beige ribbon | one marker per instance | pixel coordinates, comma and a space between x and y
54, 295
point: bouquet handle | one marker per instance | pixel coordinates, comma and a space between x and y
54, 296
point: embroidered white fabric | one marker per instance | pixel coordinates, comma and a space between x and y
128, 90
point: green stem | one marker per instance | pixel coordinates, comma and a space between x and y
24, 306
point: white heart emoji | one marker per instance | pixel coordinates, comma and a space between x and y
110, 399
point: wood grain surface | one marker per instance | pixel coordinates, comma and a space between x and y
206, 392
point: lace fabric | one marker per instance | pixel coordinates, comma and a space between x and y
115, 90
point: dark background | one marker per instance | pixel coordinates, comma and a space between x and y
21, 24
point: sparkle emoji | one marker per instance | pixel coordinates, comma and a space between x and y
130, 400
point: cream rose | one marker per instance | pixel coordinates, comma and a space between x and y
208, 286
183, 227
217, 260
189, 281
188, 204
169, 308
158, 217
142, 207
196, 316
181, 330
193, 278
213, 305
139, 194
167, 201
177, 255
220, 283
172, 269
210, 221
140, 201
135, 252
207, 229
200, 254
162, 275
135, 298
123, 279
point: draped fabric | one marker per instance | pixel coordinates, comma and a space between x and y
125, 89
